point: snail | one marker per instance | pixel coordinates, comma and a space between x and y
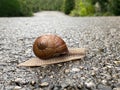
51, 49
48, 46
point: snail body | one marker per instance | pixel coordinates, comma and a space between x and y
48, 46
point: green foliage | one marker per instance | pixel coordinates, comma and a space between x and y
39, 5
101, 4
68, 6
26, 7
83, 8
9, 8
114, 7
107, 14
15, 8
107, 7
36, 5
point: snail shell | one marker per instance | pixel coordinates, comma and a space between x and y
47, 46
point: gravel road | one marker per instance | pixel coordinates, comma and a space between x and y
99, 70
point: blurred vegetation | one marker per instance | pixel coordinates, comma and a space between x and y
71, 7
114, 7
39, 5
27, 7
15, 8
83, 8
68, 6
6, 7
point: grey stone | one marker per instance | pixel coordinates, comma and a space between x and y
90, 84
9, 88
67, 71
20, 81
75, 70
117, 63
64, 85
44, 84
104, 82
17, 88
117, 88
57, 87
104, 87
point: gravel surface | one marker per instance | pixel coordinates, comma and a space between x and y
99, 70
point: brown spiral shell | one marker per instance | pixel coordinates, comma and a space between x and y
47, 46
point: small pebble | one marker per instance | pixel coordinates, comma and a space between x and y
118, 88
116, 76
38, 89
64, 85
104, 82
95, 69
117, 63
104, 87
57, 87
33, 83
67, 70
93, 73
44, 84
90, 84
17, 88
108, 76
20, 81
59, 65
28, 51
51, 76
81, 67
75, 69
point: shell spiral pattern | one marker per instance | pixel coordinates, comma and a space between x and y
48, 46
